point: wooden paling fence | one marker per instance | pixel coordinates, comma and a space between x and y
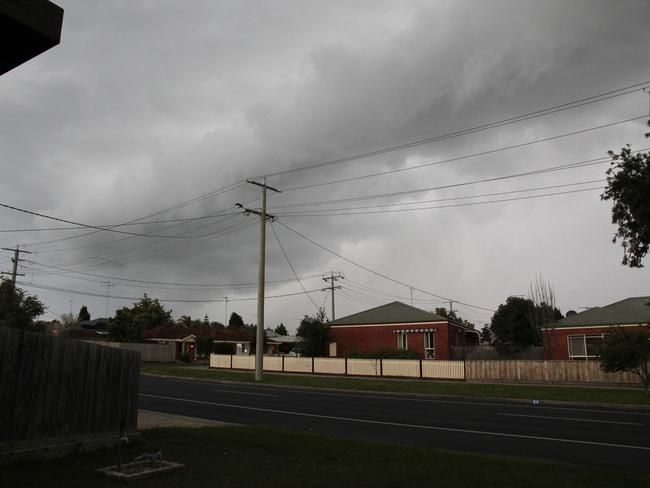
545, 372
161, 353
413, 368
56, 387
499, 370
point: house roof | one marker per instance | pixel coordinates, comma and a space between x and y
391, 313
171, 332
634, 310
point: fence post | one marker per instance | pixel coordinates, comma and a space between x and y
465, 370
381, 367
312, 365
283, 363
420, 369
231, 361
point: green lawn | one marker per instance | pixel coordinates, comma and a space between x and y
257, 456
428, 387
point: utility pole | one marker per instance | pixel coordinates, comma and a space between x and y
16, 259
225, 322
332, 278
108, 286
411, 288
259, 338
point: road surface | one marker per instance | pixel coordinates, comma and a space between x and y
606, 437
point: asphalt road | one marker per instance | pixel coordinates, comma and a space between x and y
605, 437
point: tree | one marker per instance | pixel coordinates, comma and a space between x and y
512, 327
281, 330
627, 351
486, 334
67, 323
129, 324
315, 335
83, 314
204, 345
453, 316
236, 321
205, 322
17, 308
542, 313
184, 321
628, 186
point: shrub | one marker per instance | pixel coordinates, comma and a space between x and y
385, 354
185, 357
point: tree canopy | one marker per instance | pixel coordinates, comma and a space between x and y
628, 186
236, 321
315, 334
84, 314
17, 308
452, 315
513, 324
281, 330
627, 351
129, 324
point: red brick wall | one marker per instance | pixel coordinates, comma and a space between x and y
556, 344
369, 338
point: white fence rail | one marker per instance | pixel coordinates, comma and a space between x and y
400, 368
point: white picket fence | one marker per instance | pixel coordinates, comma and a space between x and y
399, 368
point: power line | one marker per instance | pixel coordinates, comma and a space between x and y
292, 268
89, 226
207, 286
85, 293
511, 120
440, 187
381, 275
466, 156
469, 204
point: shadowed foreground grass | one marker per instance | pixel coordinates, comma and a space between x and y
484, 390
257, 456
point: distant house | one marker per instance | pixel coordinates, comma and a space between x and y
401, 326
279, 344
185, 339
579, 336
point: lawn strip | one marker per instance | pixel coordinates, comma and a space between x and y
618, 396
260, 456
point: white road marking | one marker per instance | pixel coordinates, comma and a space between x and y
245, 393
567, 418
425, 400
397, 424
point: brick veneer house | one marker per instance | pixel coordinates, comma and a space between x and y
399, 326
185, 339
579, 336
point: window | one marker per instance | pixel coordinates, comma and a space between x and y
402, 343
585, 346
429, 345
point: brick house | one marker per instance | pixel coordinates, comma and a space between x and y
399, 326
579, 336
185, 339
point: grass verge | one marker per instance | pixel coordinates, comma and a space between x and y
484, 390
259, 456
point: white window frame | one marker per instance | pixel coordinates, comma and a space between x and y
429, 345
584, 337
402, 340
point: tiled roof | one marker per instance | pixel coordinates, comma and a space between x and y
634, 310
174, 332
391, 313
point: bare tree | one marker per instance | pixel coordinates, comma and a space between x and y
543, 313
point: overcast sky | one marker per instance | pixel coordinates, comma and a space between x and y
147, 104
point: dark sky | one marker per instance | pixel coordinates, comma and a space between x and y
148, 104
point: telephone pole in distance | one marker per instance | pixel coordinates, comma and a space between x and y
332, 278
15, 260
259, 337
